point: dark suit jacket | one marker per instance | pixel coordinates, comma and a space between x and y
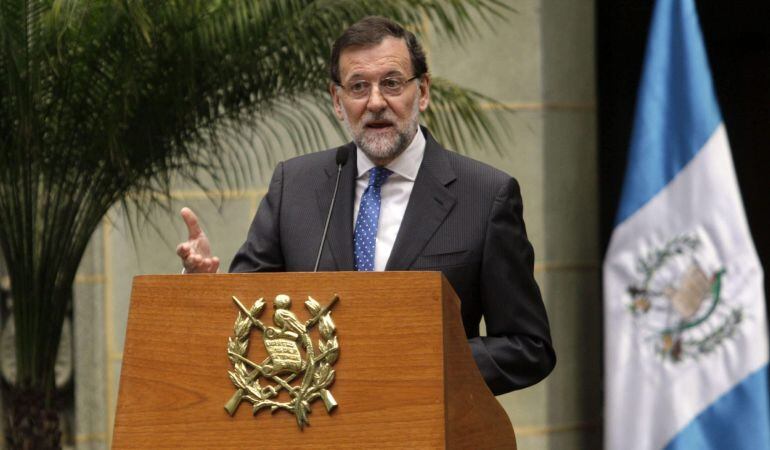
464, 218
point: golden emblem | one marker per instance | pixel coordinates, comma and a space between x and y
284, 343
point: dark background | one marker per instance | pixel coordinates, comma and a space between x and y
737, 40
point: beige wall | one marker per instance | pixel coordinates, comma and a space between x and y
539, 62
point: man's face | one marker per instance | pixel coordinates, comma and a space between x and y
381, 125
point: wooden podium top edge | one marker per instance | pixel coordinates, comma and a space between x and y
400, 273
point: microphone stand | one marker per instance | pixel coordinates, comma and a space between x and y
342, 158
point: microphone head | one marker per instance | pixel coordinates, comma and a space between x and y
342, 156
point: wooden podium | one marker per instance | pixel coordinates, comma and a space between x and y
405, 377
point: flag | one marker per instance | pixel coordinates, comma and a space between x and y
686, 344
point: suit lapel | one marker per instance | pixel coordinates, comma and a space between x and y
340, 236
428, 206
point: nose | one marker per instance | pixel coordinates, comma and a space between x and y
376, 101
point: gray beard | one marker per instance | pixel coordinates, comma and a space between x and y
383, 148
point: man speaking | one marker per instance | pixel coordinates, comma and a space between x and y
403, 203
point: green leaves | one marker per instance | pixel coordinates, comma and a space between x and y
462, 117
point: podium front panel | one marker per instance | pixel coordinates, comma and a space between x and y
389, 381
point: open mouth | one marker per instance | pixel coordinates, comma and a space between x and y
379, 125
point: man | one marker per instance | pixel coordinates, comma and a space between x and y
417, 207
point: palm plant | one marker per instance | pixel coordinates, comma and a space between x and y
103, 100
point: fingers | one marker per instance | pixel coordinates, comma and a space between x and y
196, 251
191, 220
183, 250
208, 265
195, 263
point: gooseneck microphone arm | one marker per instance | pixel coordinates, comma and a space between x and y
342, 158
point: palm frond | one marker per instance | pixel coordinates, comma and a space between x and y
464, 118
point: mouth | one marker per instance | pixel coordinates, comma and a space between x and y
379, 125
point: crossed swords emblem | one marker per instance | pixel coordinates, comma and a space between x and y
284, 358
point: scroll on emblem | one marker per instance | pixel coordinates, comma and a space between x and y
290, 354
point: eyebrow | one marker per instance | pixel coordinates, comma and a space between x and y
358, 75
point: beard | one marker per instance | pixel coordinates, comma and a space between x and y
384, 146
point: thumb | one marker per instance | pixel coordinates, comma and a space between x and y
191, 220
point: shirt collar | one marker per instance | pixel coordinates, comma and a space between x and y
407, 164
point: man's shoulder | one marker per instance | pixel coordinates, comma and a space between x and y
467, 168
312, 164
314, 159
463, 162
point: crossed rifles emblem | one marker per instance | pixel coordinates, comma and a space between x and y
284, 361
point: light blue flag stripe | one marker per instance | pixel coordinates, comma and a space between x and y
676, 110
736, 421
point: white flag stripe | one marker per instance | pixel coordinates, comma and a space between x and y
650, 399
717, 202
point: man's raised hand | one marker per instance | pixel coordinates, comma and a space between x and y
196, 251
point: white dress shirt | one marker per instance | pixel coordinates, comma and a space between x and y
395, 194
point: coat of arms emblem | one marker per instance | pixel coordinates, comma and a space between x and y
679, 304
289, 354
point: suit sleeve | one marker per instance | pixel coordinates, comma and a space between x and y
262, 250
517, 350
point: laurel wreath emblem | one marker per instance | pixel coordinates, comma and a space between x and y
677, 338
315, 368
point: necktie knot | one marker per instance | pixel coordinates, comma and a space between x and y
378, 175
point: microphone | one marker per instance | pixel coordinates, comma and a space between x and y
341, 159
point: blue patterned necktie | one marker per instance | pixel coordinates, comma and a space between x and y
365, 236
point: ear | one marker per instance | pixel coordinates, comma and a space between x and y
424, 92
334, 91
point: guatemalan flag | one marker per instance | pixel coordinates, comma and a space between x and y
686, 331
